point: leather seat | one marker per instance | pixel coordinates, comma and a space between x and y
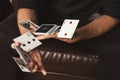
64, 61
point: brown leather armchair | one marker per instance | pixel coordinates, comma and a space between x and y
64, 61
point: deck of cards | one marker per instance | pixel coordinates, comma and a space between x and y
65, 31
27, 43
44, 29
23, 60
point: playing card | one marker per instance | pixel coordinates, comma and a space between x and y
23, 55
46, 29
68, 28
27, 23
27, 41
21, 64
23, 60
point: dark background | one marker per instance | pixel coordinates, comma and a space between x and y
5, 9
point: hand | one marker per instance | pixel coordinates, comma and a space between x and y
36, 64
75, 38
43, 37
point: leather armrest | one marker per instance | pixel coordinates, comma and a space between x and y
65, 61
70, 59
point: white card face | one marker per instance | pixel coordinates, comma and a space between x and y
68, 28
21, 64
27, 41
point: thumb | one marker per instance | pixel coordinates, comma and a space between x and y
43, 37
33, 28
43, 71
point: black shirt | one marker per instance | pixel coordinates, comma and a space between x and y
55, 11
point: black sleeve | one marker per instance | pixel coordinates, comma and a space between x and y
31, 4
111, 8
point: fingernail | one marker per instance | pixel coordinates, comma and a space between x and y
34, 70
44, 72
13, 46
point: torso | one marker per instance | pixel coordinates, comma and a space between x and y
74, 9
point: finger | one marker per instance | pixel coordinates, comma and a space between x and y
39, 63
43, 37
31, 65
42, 69
55, 35
15, 44
35, 69
33, 28
37, 58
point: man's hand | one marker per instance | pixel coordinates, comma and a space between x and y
97, 27
36, 64
75, 38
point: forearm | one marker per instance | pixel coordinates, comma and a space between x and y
25, 14
97, 27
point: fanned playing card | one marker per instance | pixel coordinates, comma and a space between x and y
27, 41
21, 64
23, 55
23, 60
